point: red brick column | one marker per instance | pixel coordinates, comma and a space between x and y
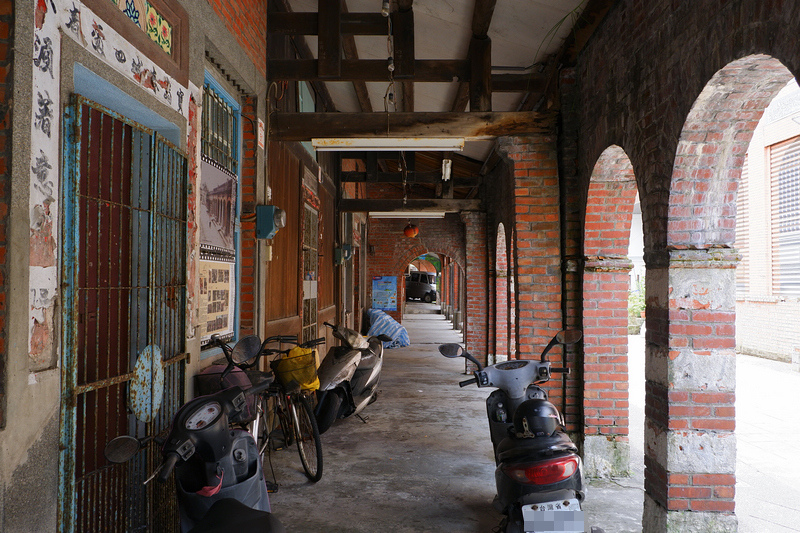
6, 90
607, 227
534, 164
476, 319
248, 268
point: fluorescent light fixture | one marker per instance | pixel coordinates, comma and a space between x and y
407, 214
432, 144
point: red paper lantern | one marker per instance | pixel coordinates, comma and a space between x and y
411, 231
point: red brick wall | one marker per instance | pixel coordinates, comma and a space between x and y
247, 21
667, 82
6, 90
248, 268
500, 323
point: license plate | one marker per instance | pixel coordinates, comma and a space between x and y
563, 516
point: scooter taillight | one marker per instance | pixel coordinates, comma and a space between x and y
543, 472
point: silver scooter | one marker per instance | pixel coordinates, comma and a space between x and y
539, 474
348, 376
219, 481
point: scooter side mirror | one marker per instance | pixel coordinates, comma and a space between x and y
451, 350
246, 348
569, 336
122, 449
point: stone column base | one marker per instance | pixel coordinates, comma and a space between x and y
656, 519
604, 457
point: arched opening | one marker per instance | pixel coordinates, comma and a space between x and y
690, 444
767, 318
501, 297
609, 208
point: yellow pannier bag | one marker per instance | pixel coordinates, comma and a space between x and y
299, 365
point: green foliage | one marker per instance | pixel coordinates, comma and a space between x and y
636, 301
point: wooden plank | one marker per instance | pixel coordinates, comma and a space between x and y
403, 33
329, 44
425, 70
289, 23
480, 81
482, 15
408, 96
347, 205
474, 126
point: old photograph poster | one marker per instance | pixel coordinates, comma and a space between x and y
217, 209
217, 293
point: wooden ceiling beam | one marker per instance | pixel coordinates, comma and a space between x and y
425, 70
291, 23
350, 51
449, 205
474, 126
403, 37
329, 50
482, 14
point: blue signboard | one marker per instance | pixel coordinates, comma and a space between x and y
384, 293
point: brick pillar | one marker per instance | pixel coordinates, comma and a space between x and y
248, 269
6, 125
476, 316
605, 367
690, 445
534, 163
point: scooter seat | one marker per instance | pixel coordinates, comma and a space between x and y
512, 448
369, 356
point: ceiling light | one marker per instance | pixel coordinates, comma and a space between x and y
407, 214
447, 167
433, 144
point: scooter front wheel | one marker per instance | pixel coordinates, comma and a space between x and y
328, 410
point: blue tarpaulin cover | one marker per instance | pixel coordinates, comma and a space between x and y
380, 322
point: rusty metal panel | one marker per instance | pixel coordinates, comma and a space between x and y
124, 286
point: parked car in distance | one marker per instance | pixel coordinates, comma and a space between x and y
421, 286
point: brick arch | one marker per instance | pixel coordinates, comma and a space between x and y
711, 150
609, 209
691, 296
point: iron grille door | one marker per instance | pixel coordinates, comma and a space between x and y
124, 289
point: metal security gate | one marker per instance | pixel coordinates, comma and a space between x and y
124, 289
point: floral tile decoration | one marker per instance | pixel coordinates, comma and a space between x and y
147, 17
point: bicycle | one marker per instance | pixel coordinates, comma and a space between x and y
284, 399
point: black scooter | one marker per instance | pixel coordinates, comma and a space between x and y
539, 474
348, 376
218, 476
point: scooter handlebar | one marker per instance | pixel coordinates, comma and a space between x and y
467, 382
259, 387
559, 369
168, 466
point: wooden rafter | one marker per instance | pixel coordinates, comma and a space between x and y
474, 126
351, 52
482, 15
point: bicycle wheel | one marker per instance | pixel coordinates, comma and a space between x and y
260, 426
308, 442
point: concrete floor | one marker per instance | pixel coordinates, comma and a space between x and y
423, 461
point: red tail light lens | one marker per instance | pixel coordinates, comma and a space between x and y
543, 472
